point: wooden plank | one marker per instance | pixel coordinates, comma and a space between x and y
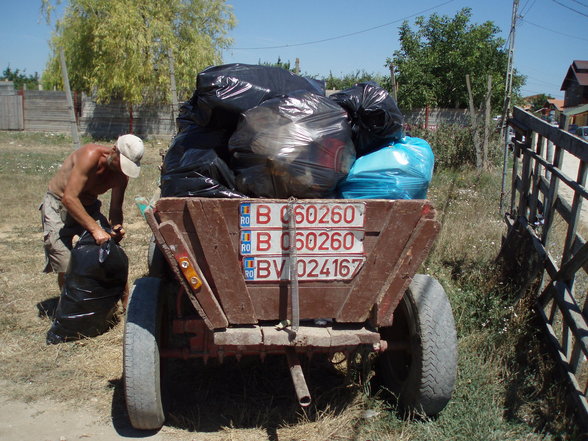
251, 336
576, 212
576, 146
414, 254
401, 222
226, 272
537, 174
272, 302
577, 392
204, 295
525, 178
168, 253
11, 116
306, 336
572, 315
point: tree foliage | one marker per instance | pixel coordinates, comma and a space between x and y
120, 48
20, 78
281, 64
434, 59
537, 102
349, 80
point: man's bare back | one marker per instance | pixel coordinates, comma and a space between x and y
93, 161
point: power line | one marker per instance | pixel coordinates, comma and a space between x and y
344, 35
580, 3
525, 10
567, 7
555, 32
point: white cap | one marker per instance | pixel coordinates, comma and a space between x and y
131, 151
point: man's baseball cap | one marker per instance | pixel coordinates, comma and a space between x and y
131, 151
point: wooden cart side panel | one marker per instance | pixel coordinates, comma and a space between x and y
402, 219
219, 253
414, 254
173, 265
204, 295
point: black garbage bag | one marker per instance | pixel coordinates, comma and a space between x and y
208, 143
193, 165
94, 282
223, 92
190, 183
375, 118
298, 145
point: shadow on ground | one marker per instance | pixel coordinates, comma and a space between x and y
244, 394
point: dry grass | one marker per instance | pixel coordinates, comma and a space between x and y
253, 400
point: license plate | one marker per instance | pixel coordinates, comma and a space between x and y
256, 242
277, 268
307, 215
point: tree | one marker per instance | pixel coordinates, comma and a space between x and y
537, 102
349, 80
281, 64
20, 79
434, 59
120, 48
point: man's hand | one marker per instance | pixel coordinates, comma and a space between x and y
100, 236
118, 232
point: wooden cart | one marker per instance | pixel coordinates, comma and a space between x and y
241, 286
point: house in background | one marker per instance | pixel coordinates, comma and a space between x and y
575, 87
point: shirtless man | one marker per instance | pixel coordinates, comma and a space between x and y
71, 204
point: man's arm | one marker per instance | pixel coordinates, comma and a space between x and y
115, 215
84, 164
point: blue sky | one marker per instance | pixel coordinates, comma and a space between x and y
550, 35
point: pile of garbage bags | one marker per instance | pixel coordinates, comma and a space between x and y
261, 131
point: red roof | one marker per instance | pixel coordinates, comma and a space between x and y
578, 71
557, 103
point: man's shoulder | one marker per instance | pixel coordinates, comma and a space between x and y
94, 148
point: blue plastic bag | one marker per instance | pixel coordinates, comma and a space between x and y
401, 170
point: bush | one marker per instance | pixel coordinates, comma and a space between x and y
453, 145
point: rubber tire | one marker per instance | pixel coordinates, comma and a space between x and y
141, 355
155, 259
422, 376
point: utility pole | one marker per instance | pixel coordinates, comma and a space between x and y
172, 78
507, 96
510, 68
393, 82
70, 106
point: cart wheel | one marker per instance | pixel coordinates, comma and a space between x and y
419, 367
141, 355
155, 259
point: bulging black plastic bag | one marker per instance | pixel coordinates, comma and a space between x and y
297, 145
190, 183
375, 118
94, 282
193, 164
223, 92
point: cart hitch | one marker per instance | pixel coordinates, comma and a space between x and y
302, 392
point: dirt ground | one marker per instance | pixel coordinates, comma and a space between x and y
23, 416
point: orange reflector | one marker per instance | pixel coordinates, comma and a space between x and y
189, 272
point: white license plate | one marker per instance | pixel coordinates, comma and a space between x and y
307, 215
277, 268
255, 242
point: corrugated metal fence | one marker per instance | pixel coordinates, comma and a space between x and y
46, 111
